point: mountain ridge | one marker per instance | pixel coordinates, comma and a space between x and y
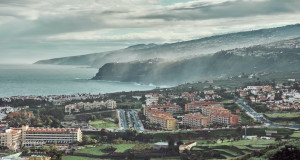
272, 57
183, 49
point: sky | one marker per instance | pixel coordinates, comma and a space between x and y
32, 30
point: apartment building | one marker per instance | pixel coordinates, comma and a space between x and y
77, 107
35, 136
153, 112
166, 122
210, 109
166, 108
10, 138
32, 136
197, 105
195, 120
224, 118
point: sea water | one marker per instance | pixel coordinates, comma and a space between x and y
24, 80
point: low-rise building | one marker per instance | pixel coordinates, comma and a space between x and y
77, 107
195, 120
187, 146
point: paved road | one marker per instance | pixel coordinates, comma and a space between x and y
137, 123
261, 118
123, 119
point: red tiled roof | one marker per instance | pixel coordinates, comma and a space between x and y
163, 106
52, 130
195, 116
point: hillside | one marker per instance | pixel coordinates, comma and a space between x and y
273, 57
183, 49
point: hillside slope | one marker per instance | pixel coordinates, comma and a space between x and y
272, 57
184, 49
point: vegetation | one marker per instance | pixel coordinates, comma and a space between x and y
100, 124
284, 117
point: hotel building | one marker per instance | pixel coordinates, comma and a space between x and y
33, 136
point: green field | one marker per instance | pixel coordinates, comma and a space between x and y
230, 149
121, 148
76, 158
100, 124
296, 134
288, 117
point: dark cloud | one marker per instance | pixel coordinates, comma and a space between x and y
229, 9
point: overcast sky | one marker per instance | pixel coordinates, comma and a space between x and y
31, 30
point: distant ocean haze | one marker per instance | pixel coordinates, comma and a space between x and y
27, 80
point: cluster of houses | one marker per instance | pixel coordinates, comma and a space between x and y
4, 111
196, 114
279, 97
82, 106
55, 99
206, 95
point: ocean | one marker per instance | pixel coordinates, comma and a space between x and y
36, 79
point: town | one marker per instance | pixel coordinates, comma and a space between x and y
180, 122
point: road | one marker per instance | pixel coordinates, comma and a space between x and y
130, 114
138, 125
122, 119
259, 117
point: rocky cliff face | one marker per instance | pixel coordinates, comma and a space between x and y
273, 57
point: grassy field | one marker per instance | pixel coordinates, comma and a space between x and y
288, 117
104, 124
76, 158
284, 115
230, 149
121, 148
296, 134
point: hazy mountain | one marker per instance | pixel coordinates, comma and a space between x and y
184, 49
272, 57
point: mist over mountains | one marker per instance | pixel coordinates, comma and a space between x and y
179, 50
266, 50
274, 57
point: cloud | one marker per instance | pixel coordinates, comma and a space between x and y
200, 10
47, 29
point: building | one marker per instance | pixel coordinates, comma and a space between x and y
224, 118
10, 138
153, 112
31, 136
166, 108
13, 114
197, 105
35, 136
210, 109
187, 146
160, 145
195, 120
77, 107
166, 122
151, 99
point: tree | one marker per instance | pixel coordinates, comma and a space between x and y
287, 153
171, 142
